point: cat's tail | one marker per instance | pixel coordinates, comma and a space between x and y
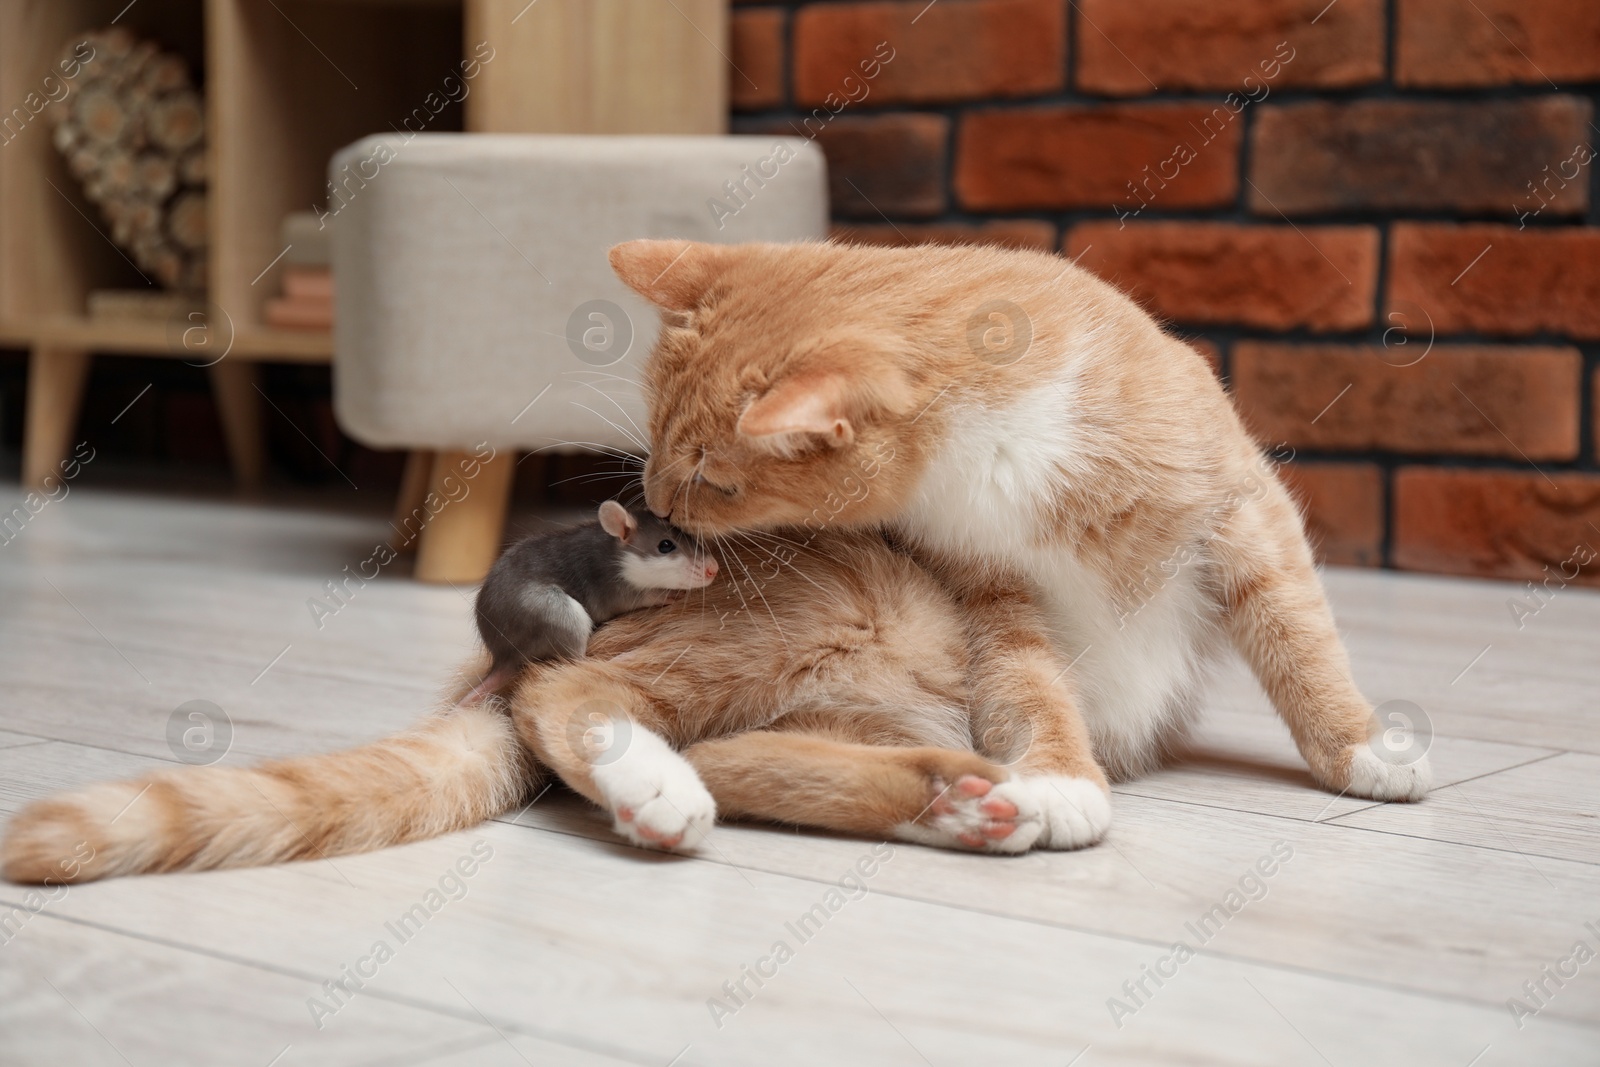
450, 772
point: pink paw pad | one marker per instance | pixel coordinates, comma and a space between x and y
656, 837
950, 797
966, 810
999, 808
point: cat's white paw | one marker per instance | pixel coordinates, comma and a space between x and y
1040, 811
1069, 812
970, 813
1375, 778
656, 798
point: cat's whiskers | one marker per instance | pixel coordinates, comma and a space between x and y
594, 476
624, 431
610, 450
685, 488
722, 551
755, 587
805, 546
669, 467
642, 438
770, 554
663, 471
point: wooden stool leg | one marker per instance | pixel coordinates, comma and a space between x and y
56, 377
462, 540
410, 516
233, 384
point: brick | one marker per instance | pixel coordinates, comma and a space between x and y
1342, 504
1160, 155
1183, 45
893, 164
1033, 234
1361, 398
1497, 279
1498, 524
1450, 44
756, 49
1208, 273
1406, 155
948, 51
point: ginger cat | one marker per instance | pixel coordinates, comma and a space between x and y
1049, 440
1076, 523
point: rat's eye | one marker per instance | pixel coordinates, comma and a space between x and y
665, 547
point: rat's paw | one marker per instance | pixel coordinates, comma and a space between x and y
656, 798
1071, 812
970, 813
1375, 778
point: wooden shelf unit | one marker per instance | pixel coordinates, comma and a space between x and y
286, 84
53, 248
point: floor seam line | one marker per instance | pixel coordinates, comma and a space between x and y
1091, 932
1452, 785
285, 972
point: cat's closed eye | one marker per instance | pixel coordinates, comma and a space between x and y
725, 490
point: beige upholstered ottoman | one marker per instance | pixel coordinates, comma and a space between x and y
476, 311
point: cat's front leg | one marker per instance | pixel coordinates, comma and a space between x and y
1028, 719
1282, 626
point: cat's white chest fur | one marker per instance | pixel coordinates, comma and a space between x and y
984, 496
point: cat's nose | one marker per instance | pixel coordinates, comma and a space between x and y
658, 499
711, 569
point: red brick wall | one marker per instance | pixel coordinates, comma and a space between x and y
1378, 216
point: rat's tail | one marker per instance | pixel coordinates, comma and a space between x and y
450, 772
492, 682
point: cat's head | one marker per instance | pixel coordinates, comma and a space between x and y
787, 383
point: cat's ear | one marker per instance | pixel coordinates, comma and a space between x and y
672, 275
617, 521
802, 404
841, 388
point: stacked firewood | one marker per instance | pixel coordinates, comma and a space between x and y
133, 133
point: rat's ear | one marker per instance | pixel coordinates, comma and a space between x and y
617, 520
672, 275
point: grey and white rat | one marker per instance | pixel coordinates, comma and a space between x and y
547, 593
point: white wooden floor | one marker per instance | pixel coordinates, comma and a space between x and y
1392, 934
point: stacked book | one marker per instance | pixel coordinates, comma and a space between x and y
307, 300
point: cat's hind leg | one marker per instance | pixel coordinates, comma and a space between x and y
930, 796
656, 798
593, 726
